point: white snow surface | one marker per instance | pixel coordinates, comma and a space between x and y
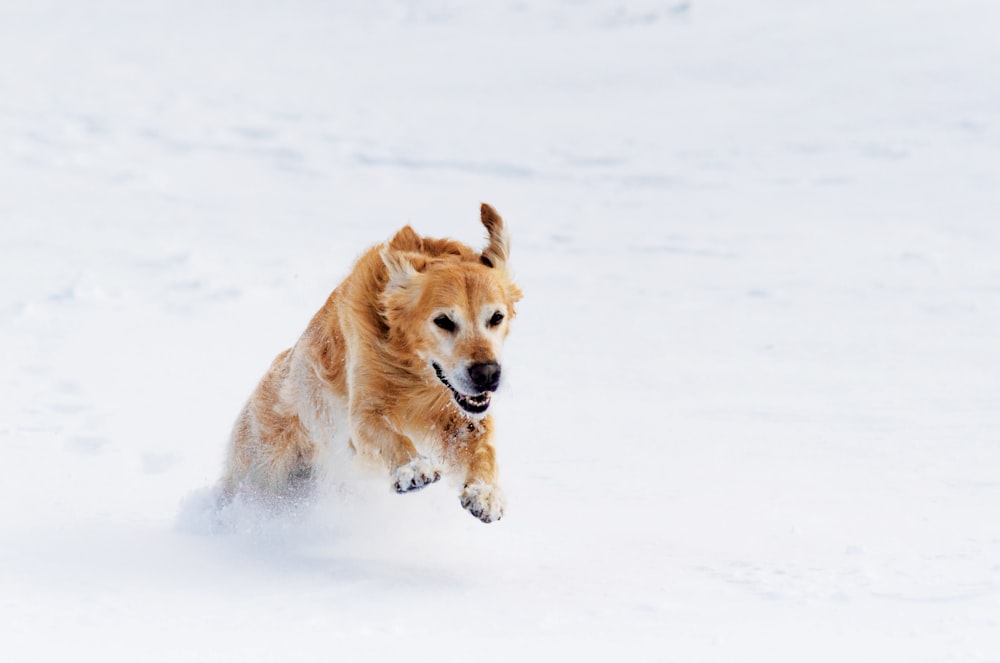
752, 409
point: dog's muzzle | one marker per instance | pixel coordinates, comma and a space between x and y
474, 404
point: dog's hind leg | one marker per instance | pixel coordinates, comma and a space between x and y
271, 450
240, 457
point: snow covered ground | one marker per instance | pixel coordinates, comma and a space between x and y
753, 408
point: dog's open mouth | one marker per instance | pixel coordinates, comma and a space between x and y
474, 404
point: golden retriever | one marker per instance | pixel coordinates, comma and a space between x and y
401, 362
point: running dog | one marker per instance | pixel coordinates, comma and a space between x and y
401, 362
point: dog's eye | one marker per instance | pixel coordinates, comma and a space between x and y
496, 319
445, 323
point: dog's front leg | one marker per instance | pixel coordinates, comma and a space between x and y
373, 432
481, 494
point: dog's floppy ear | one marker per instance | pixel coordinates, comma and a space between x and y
498, 250
515, 293
401, 270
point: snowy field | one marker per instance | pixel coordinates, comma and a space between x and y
753, 406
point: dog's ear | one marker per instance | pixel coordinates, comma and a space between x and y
406, 239
401, 270
497, 251
514, 292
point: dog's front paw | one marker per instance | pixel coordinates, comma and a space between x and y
416, 474
483, 500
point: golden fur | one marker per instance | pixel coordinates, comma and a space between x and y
379, 366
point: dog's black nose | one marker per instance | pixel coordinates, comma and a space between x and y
485, 376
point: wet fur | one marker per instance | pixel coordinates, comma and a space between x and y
362, 373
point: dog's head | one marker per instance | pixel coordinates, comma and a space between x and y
451, 306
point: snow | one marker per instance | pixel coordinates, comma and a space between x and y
752, 400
